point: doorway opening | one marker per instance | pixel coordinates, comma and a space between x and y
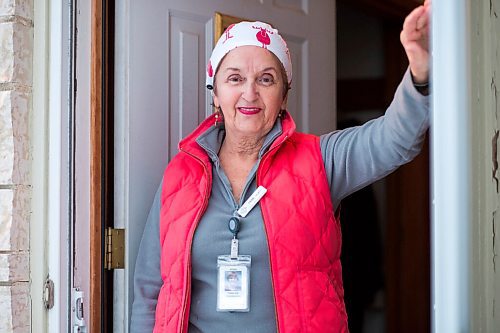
386, 245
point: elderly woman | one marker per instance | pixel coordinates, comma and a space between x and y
242, 235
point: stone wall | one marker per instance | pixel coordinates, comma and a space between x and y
16, 59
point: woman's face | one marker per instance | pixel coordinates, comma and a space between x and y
249, 90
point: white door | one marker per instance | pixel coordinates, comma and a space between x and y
162, 48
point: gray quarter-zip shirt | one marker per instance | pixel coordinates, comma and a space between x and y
353, 158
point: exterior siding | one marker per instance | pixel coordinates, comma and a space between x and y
485, 121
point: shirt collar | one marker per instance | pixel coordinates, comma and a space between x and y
211, 140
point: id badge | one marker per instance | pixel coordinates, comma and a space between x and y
233, 283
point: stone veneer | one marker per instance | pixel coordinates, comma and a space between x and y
16, 77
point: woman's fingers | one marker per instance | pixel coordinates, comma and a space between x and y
410, 22
422, 20
415, 40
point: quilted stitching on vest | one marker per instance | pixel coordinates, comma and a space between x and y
304, 238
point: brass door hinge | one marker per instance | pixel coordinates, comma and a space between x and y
115, 249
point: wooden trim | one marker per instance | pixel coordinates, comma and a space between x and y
94, 322
221, 22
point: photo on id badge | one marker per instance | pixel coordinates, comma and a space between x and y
232, 282
232, 289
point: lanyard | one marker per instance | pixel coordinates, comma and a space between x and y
234, 223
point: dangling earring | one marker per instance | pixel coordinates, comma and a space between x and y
218, 115
281, 113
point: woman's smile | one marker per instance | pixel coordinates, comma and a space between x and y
248, 110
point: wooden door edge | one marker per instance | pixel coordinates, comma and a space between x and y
94, 323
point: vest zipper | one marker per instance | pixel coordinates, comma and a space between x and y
264, 158
187, 294
198, 217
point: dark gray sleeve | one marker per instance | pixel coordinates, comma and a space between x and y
358, 156
147, 276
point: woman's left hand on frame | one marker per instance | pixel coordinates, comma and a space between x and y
415, 40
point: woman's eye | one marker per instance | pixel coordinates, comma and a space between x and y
266, 79
235, 79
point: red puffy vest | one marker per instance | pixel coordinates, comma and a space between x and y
304, 238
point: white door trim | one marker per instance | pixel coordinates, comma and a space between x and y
451, 167
39, 217
121, 190
56, 51
49, 232
56, 132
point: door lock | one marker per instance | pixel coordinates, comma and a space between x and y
78, 314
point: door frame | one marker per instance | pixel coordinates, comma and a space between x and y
451, 167
49, 253
101, 162
96, 165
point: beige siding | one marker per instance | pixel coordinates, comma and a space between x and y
485, 107
16, 59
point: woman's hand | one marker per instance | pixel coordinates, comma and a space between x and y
415, 40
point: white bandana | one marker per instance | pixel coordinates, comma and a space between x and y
249, 33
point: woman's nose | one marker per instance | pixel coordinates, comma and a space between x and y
250, 92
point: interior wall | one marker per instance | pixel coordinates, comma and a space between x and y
359, 30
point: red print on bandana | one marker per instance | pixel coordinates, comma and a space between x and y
228, 33
262, 36
210, 70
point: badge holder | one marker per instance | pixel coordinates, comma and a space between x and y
233, 286
233, 271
